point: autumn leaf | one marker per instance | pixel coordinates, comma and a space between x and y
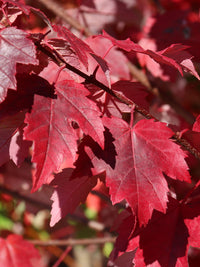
12, 249
12, 145
50, 127
15, 48
80, 48
138, 173
173, 55
69, 193
166, 238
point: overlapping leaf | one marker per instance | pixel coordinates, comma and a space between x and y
166, 238
68, 194
14, 251
12, 145
127, 90
50, 127
173, 55
80, 48
15, 47
144, 153
19, 4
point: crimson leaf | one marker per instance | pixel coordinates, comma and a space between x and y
12, 249
80, 48
138, 173
49, 126
172, 55
15, 47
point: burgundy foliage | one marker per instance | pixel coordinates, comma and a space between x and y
84, 113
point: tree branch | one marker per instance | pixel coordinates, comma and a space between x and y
90, 79
137, 73
74, 242
97, 226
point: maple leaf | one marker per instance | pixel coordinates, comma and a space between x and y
170, 56
19, 4
110, 69
183, 58
138, 172
11, 138
72, 57
166, 238
80, 48
12, 249
63, 47
49, 126
126, 45
69, 193
134, 91
15, 48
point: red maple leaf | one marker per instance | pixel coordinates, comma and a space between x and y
12, 249
50, 127
142, 158
15, 48
80, 47
170, 56
69, 193
104, 49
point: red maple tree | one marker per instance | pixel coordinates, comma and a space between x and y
110, 108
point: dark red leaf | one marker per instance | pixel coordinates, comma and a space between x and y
68, 194
126, 45
134, 91
164, 241
12, 146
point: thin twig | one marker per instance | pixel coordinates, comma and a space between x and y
184, 143
97, 226
74, 242
61, 12
62, 257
